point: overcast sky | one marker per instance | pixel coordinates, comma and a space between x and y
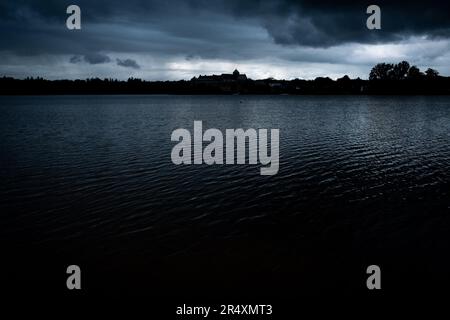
175, 39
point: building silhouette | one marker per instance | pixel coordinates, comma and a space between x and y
234, 77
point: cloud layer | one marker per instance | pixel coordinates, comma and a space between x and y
179, 39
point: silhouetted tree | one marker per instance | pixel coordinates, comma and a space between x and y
414, 73
345, 78
431, 73
399, 71
381, 71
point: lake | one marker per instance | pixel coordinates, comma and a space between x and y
362, 180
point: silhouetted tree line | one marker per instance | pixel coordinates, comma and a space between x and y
384, 78
402, 78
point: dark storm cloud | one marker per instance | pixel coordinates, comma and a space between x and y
202, 27
92, 58
76, 59
180, 34
333, 22
128, 63
96, 58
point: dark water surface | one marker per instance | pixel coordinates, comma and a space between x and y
362, 180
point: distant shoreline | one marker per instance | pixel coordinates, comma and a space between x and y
319, 86
219, 95
384, 79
